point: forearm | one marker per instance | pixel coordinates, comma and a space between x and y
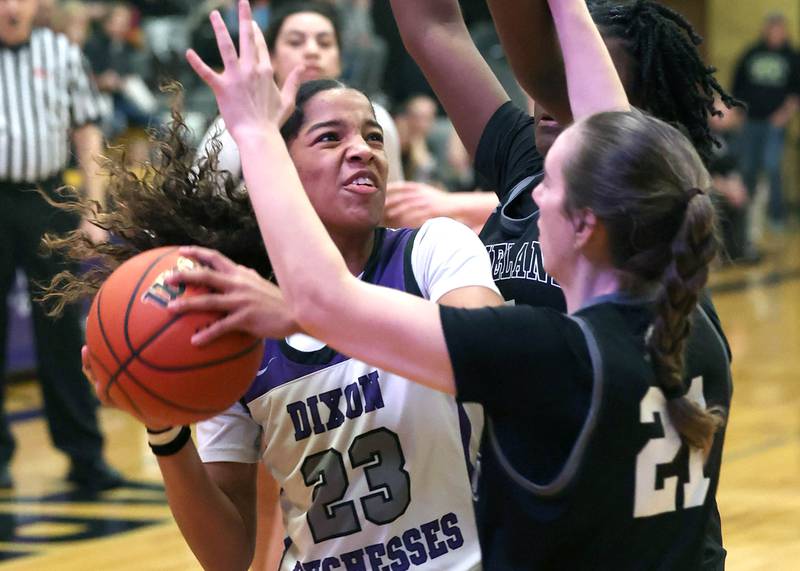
89, 147
530, 43
592, 80
208, 519
434, 33
288, 226
316, 284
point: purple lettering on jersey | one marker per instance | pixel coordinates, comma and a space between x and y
436, 547
417, 545
373, 398
319, 428
375, 555
395, 552
330, 563
455, 538
352, 398
354, 561
411, 541
360, 397
331, 400
297, 412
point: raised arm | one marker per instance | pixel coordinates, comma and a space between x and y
435, 35
531, 46
593, 83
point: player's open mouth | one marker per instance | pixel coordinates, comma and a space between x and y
362, 184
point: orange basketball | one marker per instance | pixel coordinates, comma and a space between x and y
141, 353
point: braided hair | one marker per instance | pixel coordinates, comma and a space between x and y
672, 82
646, 184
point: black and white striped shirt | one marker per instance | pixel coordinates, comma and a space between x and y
46, 90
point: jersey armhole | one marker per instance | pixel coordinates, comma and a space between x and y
567, 474
411, 285
721, 341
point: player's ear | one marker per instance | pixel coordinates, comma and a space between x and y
586, 224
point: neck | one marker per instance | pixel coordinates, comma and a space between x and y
586, 282
15, 40
355, 248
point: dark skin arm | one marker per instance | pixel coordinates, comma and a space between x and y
435, 35
530, 42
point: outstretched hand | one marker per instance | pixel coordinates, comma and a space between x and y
248, 302
247, 96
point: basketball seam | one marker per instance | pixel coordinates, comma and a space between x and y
135, 353
204, 365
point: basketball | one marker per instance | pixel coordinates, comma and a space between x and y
141, 354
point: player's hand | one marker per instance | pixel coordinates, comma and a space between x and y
87, 371
411, 204
248, 98
249, 303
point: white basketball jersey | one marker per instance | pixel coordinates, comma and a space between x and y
374, 469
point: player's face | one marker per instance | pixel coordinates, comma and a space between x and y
547, 128
308, 39
339, 155
16, 20
556, 227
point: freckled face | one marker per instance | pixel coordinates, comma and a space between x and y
339, 156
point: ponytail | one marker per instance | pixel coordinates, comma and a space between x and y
693, 249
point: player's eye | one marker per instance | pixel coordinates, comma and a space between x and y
327, 137
375, 136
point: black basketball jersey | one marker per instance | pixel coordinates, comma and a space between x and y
508, 161
630, 494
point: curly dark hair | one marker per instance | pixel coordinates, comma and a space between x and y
672, 80
177, 199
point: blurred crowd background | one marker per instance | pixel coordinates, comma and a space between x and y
134, 46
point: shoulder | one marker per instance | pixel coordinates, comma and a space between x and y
447, 235
446, 255
59, 40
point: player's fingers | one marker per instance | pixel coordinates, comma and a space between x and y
201, 302
262, 51
208, 257
208, 75
201, 277
247, 49
215, 330
87, 364
227, 51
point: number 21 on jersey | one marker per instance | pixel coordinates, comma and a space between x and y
650, 500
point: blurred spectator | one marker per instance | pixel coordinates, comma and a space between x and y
767, 79
414, 125
364, 53
113, 58
73, 19
731, 195
46, 13
306, 33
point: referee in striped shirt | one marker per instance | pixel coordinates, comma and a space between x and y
46, 96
